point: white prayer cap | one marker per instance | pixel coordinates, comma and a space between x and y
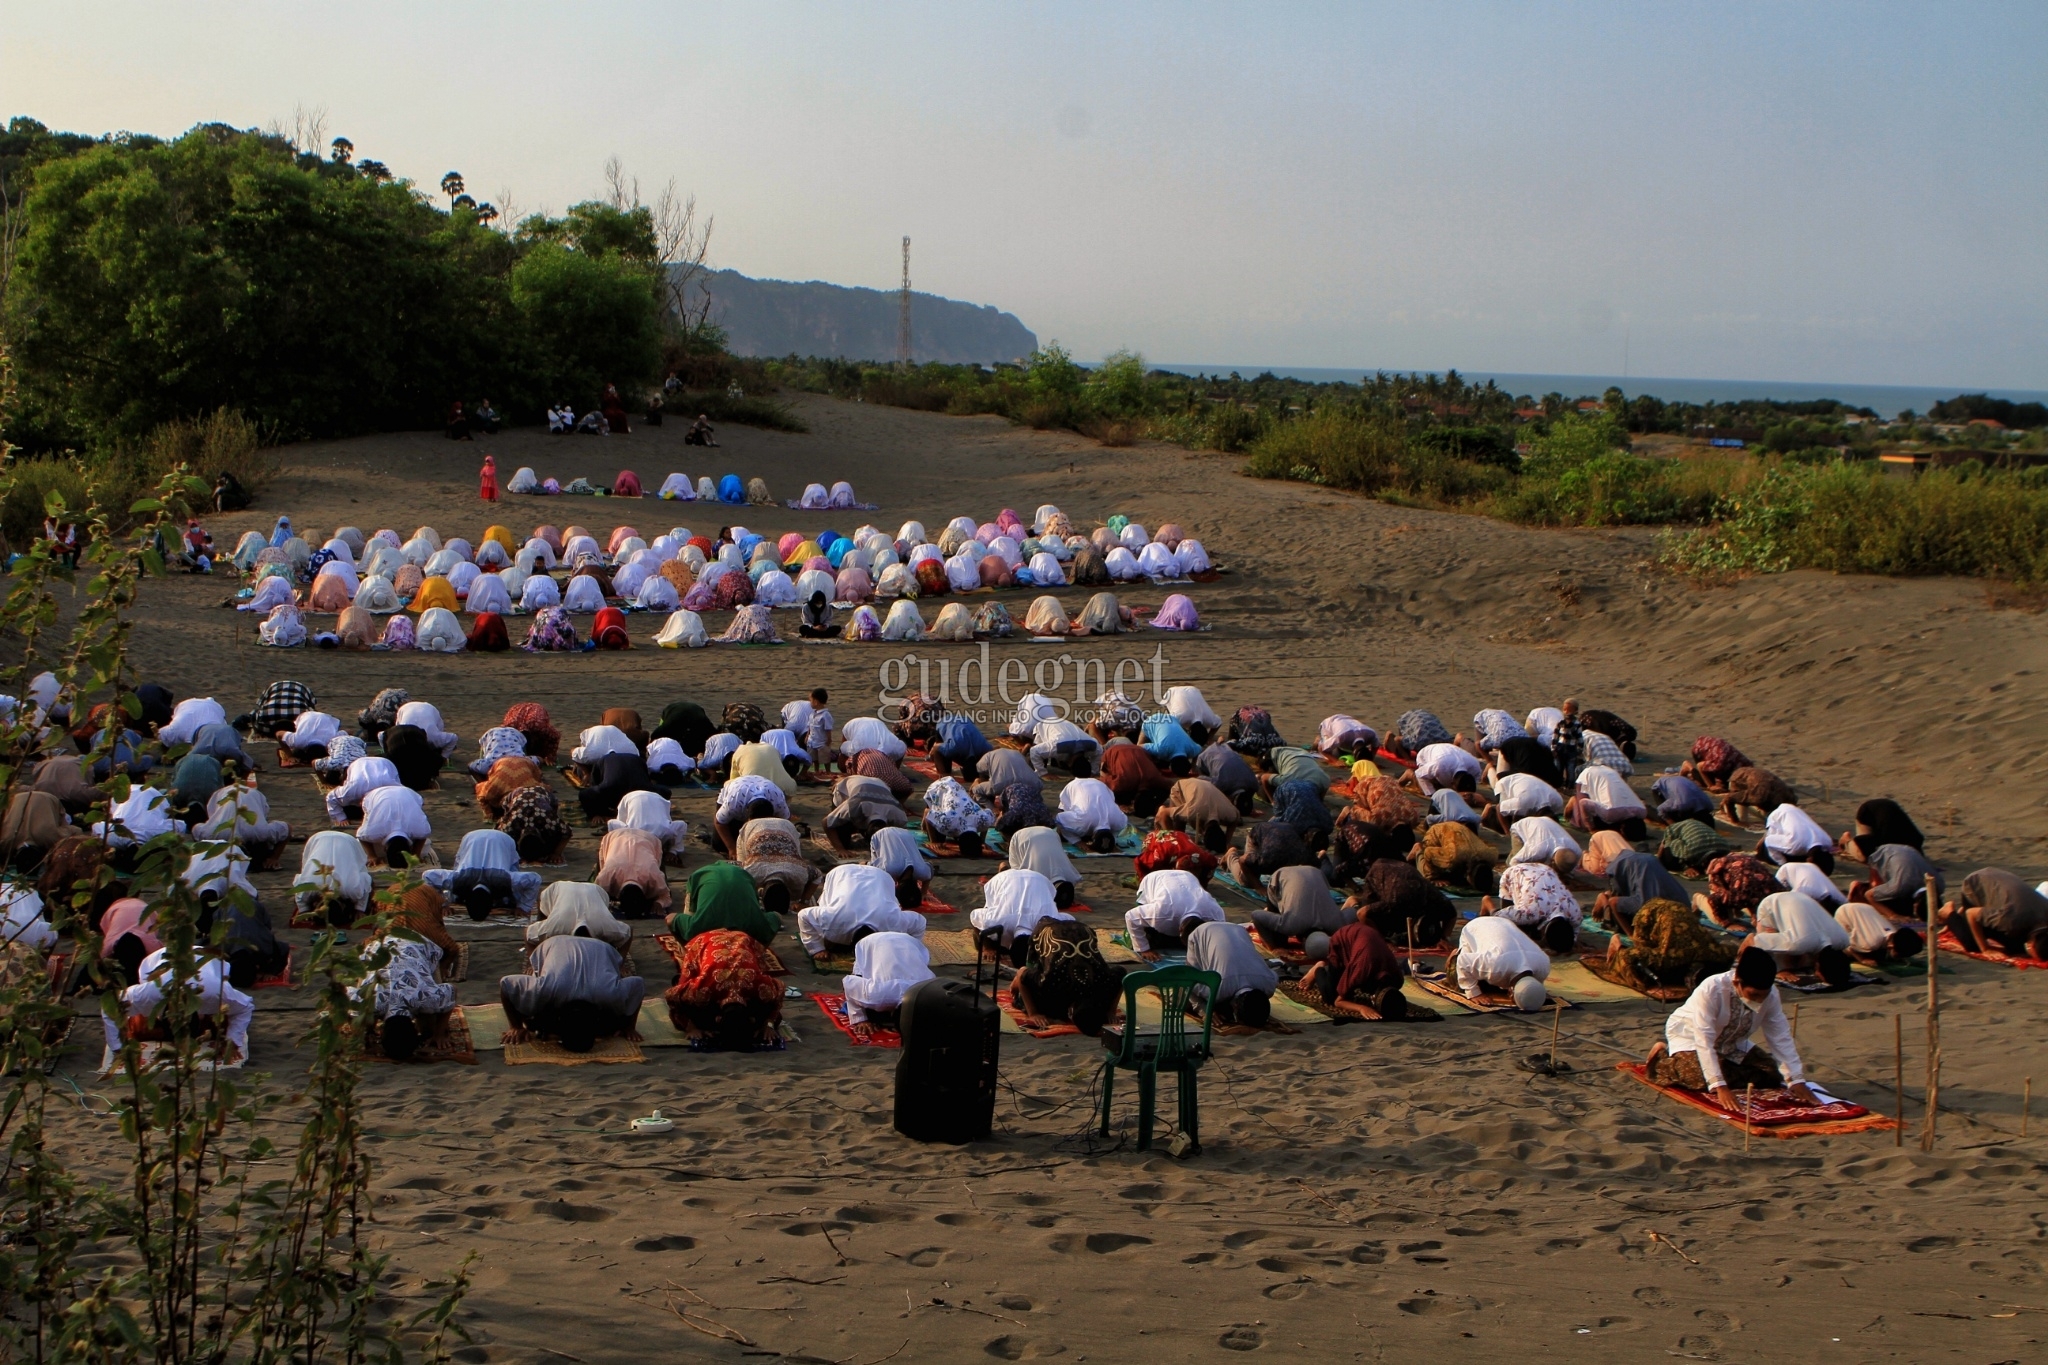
1316, 946
1530, 995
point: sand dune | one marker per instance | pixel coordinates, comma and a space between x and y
1367, 1192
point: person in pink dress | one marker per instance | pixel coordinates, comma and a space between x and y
489, 479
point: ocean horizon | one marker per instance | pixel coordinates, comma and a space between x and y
1887, 400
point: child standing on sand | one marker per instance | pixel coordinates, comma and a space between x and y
489, 479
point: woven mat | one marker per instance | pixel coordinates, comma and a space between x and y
1114, 950
921, 768
950, 947
1440, 986
456, 1047
1620, 974
1947, 942
1013, 1021
285, 759
546, 1053
454, 969
1774, 1114
1348, 1011
834, 1007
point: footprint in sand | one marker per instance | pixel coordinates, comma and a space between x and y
1651, 1296
1022, 1348
675, 1243
1369, 1253
572, 1213
1241, 1339
926, 1257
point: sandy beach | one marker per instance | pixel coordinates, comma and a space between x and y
1366, 1191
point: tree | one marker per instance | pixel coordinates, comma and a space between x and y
341, 151
589, 320
451, 184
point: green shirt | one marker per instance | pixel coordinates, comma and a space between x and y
1693, 843
722, 896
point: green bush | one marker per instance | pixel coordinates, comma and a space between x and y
1366, 454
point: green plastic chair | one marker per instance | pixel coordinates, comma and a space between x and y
1173, 1047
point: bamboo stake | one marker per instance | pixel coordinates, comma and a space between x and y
1748, 1109
1933, 1025
1557, 1015
1898, 1082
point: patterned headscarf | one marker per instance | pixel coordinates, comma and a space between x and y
550, 631
1601, 849
531, 720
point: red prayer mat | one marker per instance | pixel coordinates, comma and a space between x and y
835, 1010
283, 979
1949, 943
932, 905
1774, 1113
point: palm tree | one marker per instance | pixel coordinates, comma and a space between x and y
451, 184
487, 212
341, 150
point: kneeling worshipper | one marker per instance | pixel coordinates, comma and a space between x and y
1342, 736
365, 775
896, 852
486, 876
1393, 898
1802, 936
654, 814
128, 935
251, 945
1245, 995
1666, 946
1791, 835
1517, 797
1299, 902
1014, 903
886, 965
1000, 769
1707, 1039
1681, 798
1065, 979
334, 884
1170, 904
1452, 853
1445, 765
771, 851
35, 824
1040, 850
616, 776
277, 710
1605, 801
190, 717
953, 816
571, 908
500, 741
532, 816
1997, 912
142, 817
1268, 846
23, 921
726, 991
239, 813
1362, 969
1880, 821
1875, 937
311, 734
1197, 807
216, 1005
1138, 783
724, 896
860, 806
573, 990
1089, 815
1636, 879
1691, 846
742, 799
856, 897
1063, 744
1540, 839
1495, 958
1535, 900
1898, 880
629, 869
409, 1000
395, 829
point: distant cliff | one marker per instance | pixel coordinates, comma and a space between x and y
777, 317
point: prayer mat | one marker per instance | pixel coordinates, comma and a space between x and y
1229, 883
1116, 946
667, 943
282, 979
1013, 1021
951, 947
922, 768
454, 969
1775, 1113
932, 905
834, 1007
545, 1052
1810, 983
1128, 844
1947, 942
1437, 984
1570, 980
1150, 1007
1343, 789
285, 759
110, 1060
778, 1044
1620, 974
1022, 746
940, 849
1348, 1011
457, 1046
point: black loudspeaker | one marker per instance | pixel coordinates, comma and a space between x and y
946, 1076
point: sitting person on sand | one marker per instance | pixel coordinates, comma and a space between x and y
1299, 902
573, 990
1245, 994
1170, 904
486, 876
854, 898
1360, 968
886, 966
216, 1005
1065, 979
726, 992
1997, 912
1495, 959
1707, 1043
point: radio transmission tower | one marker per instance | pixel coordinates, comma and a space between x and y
903, 314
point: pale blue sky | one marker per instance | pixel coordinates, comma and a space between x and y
1852, 193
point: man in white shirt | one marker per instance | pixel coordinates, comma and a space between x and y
1089, 814
1541, 724
215, 1000
885, 966
1187, 705
142, 817
1790, 833
1540, 839
1015, 901
1494, 958
395, 828
1707, 1039
1170, 904
743, 799
568, 908
486, 876
1245, 995
1035, 707
854, 897
427, 718
1605, 801
190, 717
365, 775
310, 735
1446, 765
1797, 931
599, 742
1065, 744
23, 922
334, 881
655, 813
1517, 796
870, 732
